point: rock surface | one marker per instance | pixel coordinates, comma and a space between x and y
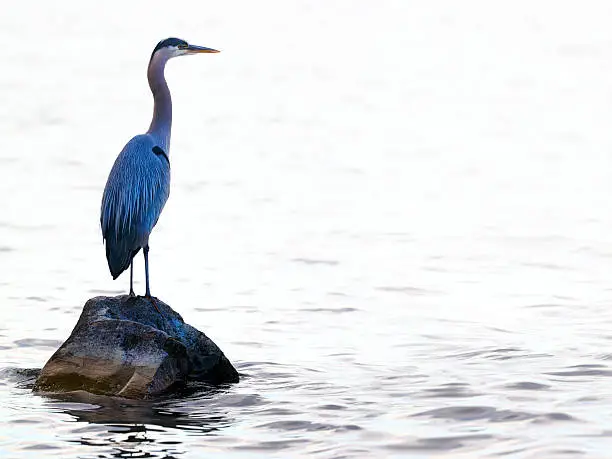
122, 346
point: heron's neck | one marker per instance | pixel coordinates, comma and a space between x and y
162, 108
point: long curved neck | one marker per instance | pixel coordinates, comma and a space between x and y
161, 124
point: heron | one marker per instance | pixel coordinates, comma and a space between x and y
138, 185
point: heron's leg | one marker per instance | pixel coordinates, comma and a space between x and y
145, 251
132, 278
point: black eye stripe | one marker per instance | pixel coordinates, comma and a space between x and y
169, 42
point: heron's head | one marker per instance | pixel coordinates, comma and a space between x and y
173, 47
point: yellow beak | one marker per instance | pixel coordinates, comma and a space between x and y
200, 49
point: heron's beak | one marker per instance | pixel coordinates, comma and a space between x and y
193, 49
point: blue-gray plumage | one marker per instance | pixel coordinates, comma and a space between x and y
139, 182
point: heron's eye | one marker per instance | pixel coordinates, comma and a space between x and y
183, 46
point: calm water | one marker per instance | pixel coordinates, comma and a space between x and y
394, 219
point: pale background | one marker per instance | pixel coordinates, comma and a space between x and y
392, 216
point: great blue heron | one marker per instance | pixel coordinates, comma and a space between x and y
139, 182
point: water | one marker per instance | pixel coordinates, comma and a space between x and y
393, 218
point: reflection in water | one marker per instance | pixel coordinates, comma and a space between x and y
192, 407
201, 416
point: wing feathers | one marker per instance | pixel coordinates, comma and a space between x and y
135, 194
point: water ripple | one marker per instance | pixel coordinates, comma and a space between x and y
439, 443
579, 371
36, 342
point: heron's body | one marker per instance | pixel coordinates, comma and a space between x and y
138, 185
135, 194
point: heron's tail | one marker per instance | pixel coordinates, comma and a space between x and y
118, 256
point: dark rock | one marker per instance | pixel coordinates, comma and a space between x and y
123, 346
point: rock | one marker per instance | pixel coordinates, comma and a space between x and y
122, 346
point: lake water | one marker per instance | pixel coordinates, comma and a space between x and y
394, 218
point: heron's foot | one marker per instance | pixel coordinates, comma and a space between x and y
132, 294
153, 302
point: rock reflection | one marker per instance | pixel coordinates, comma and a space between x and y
190, 409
